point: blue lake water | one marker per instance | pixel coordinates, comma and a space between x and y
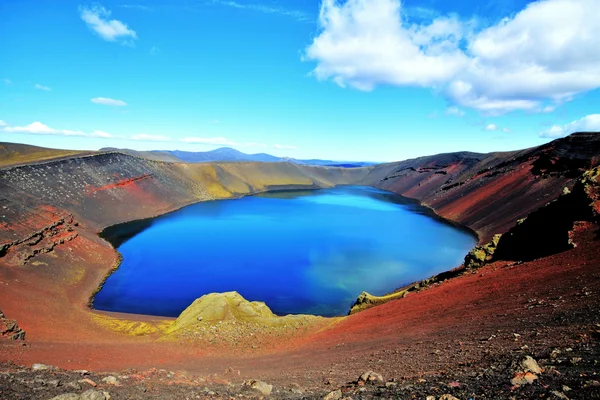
307, 252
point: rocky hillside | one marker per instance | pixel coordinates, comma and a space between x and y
490, 192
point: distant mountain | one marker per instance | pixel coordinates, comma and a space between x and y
229, 154
220, 154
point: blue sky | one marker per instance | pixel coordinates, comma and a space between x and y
349, 80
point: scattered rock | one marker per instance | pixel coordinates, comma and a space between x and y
523, 378
53, 383
92, 394
67, 396
111, 380
73, 385
259, 386
87, 395
88, 381
335, 395
447, 397
530, 365
41, 367
371, 377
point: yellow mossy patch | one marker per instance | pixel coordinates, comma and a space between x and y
75, 274
259, 176
207, 183
133, 328
228, 318
366, 300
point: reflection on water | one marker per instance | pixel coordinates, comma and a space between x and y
298, 251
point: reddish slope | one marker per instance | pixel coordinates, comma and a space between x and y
490, 192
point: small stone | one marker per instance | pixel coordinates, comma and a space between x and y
390, 385
53, 383
575, 360
73, 385
371, 377
559, 395
111, 380
88, 381
454, 384
529, 364
565, 388
40, 367
335, 395
67, 396
523, 378
430, 398
447, 397
92, 394
260, 386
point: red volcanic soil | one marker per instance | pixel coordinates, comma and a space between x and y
549, 302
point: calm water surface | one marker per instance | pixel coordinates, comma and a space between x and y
299, 252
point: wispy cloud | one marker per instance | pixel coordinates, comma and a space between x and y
97, 19
38, 128
264, 8
455, 111
7, 81
108, 101
491, 127
154, 51
137, 7
41, 87
101, 134
589, 123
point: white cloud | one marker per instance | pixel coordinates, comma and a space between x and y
40, 129
506, 130
96, 17
280, 146
7, 81
455, 111
150, 138
154, 51
41, 87
108, 102
295, 14
547, 52
101, 134
491, 127
590, 123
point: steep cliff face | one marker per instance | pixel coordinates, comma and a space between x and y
490, 192
548, 229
